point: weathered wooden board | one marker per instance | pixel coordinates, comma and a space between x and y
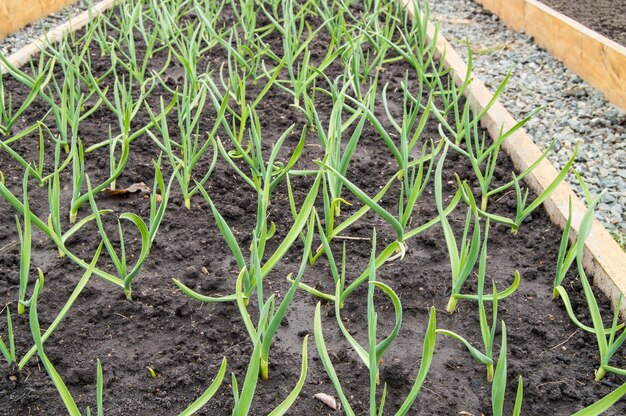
23, 55
510, 11
15, 14
597, 59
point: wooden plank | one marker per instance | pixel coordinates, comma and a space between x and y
23, 55
15, 14
510, 11
513, 14
597, 59
603, 257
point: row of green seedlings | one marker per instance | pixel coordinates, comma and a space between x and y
68, 109
340, 279
335, 210
267, 326
68, 102
607, 348
67, 116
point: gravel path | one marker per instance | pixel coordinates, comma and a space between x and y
21, 38
574, 110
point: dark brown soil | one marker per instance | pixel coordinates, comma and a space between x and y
184, 340
607, 17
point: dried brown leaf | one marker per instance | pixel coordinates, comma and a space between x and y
327, 400
136, 187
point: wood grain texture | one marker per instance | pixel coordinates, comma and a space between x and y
603, 257
510, 11
15, 14
597, 59
23, 55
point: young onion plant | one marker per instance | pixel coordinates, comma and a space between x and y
189, 151
498, 386
483, 155
413, 184
368, 55
54, 203
147, 232
523, 208
50, 231
8, 352
607, 348
497, 378
292, 31
264, 175
36, 84
65, 394
243, 398
417, 48
250, 276
452, 97
487, 332
125, 107
265, 330
409, 129
35, 167
426, 360
336, 153
373, 355
100, 30
25, 246
463, 259
393, 250
241, 121
566, 257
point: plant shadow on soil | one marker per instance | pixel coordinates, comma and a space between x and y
183, 340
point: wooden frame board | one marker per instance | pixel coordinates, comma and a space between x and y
23, 55
597, 59
15, 14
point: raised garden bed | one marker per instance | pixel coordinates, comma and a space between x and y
160, 350
607, 17
598, 59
